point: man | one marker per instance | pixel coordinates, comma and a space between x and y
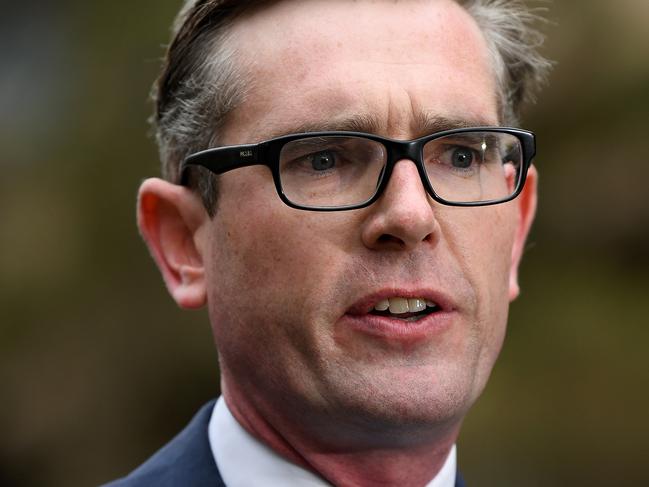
355, 236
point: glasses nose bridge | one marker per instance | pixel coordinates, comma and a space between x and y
410, 150
405, 149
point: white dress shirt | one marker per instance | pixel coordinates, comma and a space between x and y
244, 461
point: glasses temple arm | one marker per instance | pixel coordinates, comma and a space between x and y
221, 159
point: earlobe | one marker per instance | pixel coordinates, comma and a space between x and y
526, 206
171, 220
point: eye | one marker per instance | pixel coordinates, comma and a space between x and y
462, 158
323, 160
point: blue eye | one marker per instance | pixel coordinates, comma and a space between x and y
462, 158
323, 160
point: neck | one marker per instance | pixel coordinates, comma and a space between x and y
390, 459
374, 467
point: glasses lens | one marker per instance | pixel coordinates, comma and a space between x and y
331, 171
470, 167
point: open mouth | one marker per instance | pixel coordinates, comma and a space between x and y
406, 309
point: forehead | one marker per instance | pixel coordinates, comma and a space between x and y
317, 64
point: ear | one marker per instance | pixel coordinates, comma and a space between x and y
526, 209
172, 221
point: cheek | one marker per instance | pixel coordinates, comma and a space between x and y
271, 265
481, 240
272, 277
253, 238
273, 250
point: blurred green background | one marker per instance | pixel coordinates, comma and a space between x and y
98, 368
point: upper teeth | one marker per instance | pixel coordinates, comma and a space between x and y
403, 305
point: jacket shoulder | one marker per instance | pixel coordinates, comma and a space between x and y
459, 481
186, 460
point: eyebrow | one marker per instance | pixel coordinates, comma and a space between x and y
355, 123
427, 123
424, 124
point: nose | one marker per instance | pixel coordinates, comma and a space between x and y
403, 217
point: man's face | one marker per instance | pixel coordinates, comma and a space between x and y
291, 292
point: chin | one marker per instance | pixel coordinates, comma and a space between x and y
396, 403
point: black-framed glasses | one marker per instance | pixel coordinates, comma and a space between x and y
332, 171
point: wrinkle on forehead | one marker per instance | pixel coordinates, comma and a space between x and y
423, 123
304, 29
375, 67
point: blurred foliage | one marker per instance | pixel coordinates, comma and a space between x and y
98, 367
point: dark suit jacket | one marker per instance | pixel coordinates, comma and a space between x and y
186, 461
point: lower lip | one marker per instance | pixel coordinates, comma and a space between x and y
401, 331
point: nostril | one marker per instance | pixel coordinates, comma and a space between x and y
386, 238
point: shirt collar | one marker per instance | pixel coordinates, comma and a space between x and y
243, 460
